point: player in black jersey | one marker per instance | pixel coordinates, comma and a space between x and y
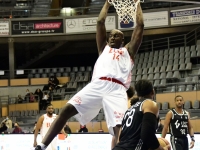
178, 121
140, 121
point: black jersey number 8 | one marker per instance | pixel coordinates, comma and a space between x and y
130, 117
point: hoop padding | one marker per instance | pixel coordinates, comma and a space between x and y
126, 9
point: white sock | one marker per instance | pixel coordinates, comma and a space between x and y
43, 146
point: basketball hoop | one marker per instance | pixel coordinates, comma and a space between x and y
126, 9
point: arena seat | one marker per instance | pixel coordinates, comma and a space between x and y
44, 75
139, 71
193, 54
144, 76
175, 67
187, 105
66, 74
37, 75
182, 49
150, 77
144, 71
145, 60
165, 63
195, 79
159, 105
47, 70
189, 88
138, 77
157, 69
66, 97
151, 70
182, 67
181, 88
78, 74
100, 117
157, 83
163, 83
164, 110
163, 75
22, 113
188, 66
156, 76
196, 104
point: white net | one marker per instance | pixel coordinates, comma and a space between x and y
126, 9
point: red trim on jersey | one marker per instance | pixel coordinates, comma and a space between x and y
112, 80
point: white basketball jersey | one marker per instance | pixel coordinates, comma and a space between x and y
114, 63
47, 123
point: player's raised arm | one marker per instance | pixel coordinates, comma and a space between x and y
137, 34
166, 124
101, 29
38, 127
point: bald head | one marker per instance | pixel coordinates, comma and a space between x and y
116, 38
118, 32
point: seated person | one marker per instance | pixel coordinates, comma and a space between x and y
32, 97
7, 122
3, 127
17, 129
39, 94
27, 96
83, 129
19, 99
53, 83
50, 93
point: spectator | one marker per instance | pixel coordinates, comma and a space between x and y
83, 129
67, 129
27, 96
53, 83
45, 100
8, 122
39, 94
50, 93
39, 97
3, 127
5, 124
19, 99
17, 129
32, 97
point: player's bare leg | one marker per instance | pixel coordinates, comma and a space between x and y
67, 112
115, 138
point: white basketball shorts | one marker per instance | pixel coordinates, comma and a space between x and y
99, 94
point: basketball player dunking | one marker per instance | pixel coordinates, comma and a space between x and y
178, 121
43, 124
111, 78
140, 121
